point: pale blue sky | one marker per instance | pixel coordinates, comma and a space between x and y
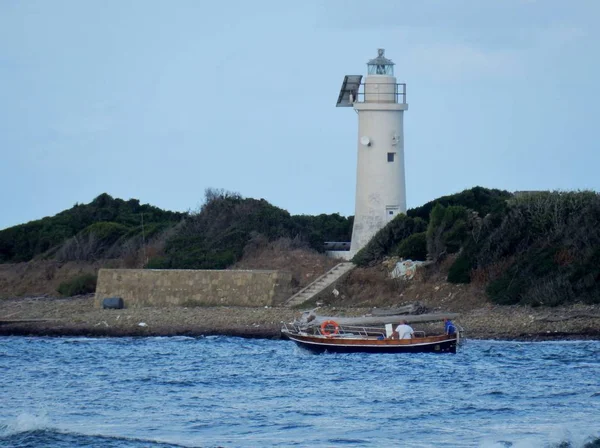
158, 100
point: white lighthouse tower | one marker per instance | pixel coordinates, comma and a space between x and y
380, 183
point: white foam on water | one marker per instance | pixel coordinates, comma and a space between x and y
553, 436
25, 422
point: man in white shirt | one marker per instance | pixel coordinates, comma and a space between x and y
403, 331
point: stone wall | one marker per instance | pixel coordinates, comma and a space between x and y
183, 287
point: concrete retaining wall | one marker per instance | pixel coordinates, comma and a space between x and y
179, 287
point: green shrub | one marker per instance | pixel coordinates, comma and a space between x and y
414, 247
507, 289
482, 200
82, 284
553, 238
158, 263
107, 232
460, 271
216, 235
211, 237
105, 217
447, 230
382, 243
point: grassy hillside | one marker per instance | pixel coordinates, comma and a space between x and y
101, 229
407, 235
535, 249
142, 235
227, 225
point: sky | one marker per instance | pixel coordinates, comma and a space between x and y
159, 100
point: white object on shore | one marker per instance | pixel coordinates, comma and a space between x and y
142, 324
406, 269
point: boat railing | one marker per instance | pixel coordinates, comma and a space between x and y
344, 331
369, 331
349, 330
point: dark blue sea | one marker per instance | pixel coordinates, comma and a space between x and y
232, 392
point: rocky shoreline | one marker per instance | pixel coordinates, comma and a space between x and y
47, 316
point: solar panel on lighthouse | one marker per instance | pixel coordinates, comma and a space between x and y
349, 90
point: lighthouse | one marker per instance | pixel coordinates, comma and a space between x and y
380, 102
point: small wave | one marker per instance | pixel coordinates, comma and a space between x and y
177, 383
79, 340
590, 442
291, 426
495, 393
58, 439
311, 413
343, 441
470, 409
25, 422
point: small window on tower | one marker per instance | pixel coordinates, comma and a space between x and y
391, 156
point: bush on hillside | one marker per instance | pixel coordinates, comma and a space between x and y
108, 232
105, 240
553, 239
216, 236
82, 284
413, 247
479, 199
447, 231
102, 216
460, 270
389, 237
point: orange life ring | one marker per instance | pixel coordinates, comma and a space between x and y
324, 325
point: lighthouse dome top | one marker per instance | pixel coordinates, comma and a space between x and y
380, 65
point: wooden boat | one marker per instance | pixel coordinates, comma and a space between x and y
333, 338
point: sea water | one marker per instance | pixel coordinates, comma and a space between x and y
233, 392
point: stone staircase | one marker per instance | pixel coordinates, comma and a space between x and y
325, 281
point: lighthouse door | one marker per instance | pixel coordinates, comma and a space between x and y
391, 211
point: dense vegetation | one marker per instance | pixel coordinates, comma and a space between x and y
536, 248
479, 199
86, 231
411, 236
104, 228
403, 236
543, 250
214, 237
82, 284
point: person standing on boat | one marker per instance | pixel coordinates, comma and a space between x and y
403, 331
449, 327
